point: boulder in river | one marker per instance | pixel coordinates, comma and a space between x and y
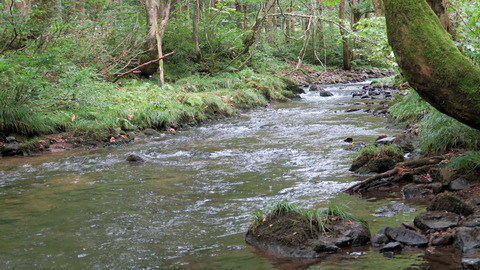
292, 234
406, 236
436, 220
450, 202
324, 93
135, 158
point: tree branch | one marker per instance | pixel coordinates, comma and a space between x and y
142, 65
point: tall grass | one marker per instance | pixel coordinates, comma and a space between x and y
438, 132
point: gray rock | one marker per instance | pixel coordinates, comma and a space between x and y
392, 246
472, 221
441, 239
10, 139
412, 191
393, 209
406, 141
134, 158
447, 201
151, 132
436, 220
326, 248
324, 93
380, 239
406, 236
10, 148
383, 141
471, 263
467, 239
463, 182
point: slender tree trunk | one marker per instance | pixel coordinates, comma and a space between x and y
196, 14
159, 38
245, 17
378, 6
157, 11
431, 62
346, 54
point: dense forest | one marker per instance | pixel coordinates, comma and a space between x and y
98, 68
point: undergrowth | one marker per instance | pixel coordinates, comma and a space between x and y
438, 132
467, 163
105, 108
318, 220
372, 151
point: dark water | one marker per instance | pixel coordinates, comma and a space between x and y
189, 205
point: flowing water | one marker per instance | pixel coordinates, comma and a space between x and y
189, 205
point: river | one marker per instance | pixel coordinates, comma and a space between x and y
189, 205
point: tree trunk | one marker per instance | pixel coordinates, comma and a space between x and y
157, 10
431, 63
196, 13
378, 6
251, 36
440, 8
346, 54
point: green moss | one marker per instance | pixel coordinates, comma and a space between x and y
431, 63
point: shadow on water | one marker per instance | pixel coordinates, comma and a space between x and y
189, 205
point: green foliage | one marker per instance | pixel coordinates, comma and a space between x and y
412, 108
467, 27
372, 151
438, 132
372, 42
281, 207
467, 163
317, 220
336, 210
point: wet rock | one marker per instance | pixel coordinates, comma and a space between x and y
348, 139
406, 236
463, 182
447, 201
385, 141
134, 158
379, 164
324, 93
467, 240
393, 209
151, 132
471, 263
380, 238
352, 110
326, 248
293, 86
421, 179
435, 187
406, 141
441, 238
11, 147
392, 246
436, 220
472, 221
412, 191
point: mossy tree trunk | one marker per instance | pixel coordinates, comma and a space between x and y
431, 63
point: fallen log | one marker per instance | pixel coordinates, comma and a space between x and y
372, 179
142, 65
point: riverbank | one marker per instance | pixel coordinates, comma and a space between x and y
130, 111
